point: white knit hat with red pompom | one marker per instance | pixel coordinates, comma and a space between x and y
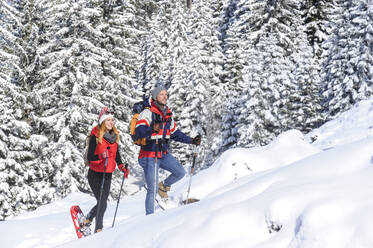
104, 114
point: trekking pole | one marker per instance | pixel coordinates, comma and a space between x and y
155, 170
101, 190
120, 192
191, 173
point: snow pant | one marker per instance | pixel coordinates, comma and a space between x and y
95, 181
168, 163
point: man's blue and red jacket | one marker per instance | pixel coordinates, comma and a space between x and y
168, 130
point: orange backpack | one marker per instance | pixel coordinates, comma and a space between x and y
136, 110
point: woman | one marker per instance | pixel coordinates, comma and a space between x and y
103, 155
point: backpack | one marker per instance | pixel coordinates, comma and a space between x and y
136, 110
85, 154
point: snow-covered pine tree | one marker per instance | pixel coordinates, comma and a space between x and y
8, 41
24, 183
318, 28
239, 54
254, 116
206, 92
90, 62
123, 28
303, 111
149, 72
155, 62
317, 23
347, 73
68, 98
178, 70
64, 103
226, 13
272, 29
232, 72
305, 104
177, 45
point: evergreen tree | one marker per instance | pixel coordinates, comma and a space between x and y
156, 46
204, 71
238, 71
317, 25
232, 71
124, 34
88, 64
66, 107
275, 46
347, 70
24, 183
8, 41
178, 70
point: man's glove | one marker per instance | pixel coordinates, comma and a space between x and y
196, 140
124, 169
156, 127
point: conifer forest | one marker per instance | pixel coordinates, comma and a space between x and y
238, 72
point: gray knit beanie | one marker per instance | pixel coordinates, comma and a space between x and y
157, 90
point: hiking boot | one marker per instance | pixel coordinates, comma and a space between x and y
162, 190
87, 222
98, 230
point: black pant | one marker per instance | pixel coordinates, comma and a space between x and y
95, 181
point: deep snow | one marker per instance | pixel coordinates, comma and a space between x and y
288, 194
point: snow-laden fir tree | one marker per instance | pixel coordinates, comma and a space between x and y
305, 104
226, 13
66, 106
206, 98
24, 183
253, 109
150, 60
87, 65
156, 17
124, 32
178, 69
19, 29
232, 72
177, 44
347, 73
275, 45
317, 23
155, 60
9, 45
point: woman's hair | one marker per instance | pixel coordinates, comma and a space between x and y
102, 130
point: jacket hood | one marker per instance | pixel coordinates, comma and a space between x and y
147, 102
95, 131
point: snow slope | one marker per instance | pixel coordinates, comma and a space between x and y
288, 194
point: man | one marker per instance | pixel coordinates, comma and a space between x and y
156, 124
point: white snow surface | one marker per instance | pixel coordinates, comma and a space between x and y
288, 194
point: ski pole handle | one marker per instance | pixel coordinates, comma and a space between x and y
194, 163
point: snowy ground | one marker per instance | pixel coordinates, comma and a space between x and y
287, 194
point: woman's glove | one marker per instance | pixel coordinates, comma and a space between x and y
124, 169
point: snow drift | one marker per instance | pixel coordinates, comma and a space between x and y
288, 194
